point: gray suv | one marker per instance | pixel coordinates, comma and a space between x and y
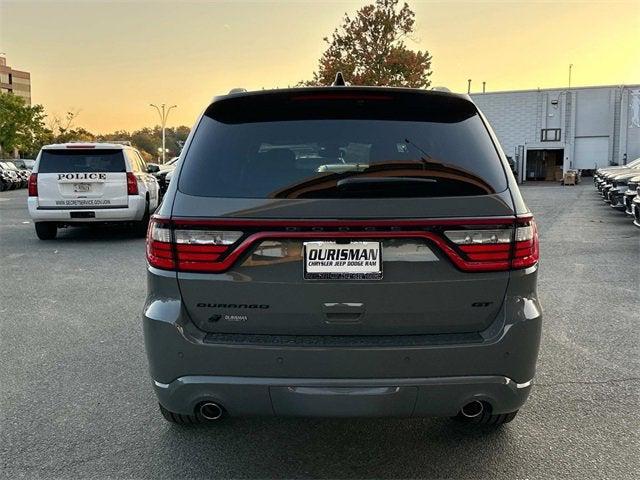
342, 251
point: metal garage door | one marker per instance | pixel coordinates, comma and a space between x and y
591, 151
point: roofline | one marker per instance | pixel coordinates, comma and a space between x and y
79, 144
234, 93
626, 85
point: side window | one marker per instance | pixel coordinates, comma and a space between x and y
143, 164
133, 160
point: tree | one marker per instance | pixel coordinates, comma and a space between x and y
63, 131
369, 49
21, 125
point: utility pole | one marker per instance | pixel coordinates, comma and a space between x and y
164, 114
570, 67
469, 86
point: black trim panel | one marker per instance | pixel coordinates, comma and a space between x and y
89, 207
343, 340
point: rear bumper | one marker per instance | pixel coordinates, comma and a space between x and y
405, 397
133, 212
402, 380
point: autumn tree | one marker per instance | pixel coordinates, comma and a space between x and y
369, 49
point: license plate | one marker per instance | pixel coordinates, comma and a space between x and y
342, 261
81, 187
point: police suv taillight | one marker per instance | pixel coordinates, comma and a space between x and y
33, 185
132, 184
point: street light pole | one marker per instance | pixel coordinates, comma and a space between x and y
163, 112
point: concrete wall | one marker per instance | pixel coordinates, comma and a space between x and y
513, 116
599, 125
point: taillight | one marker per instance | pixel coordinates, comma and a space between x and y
187, 250
485, 250
526, 251
498, 249
200, 250
33, 185
472, 245
132, 184
159, 246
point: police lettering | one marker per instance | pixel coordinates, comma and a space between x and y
82, 176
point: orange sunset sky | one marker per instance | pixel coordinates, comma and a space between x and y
111, 59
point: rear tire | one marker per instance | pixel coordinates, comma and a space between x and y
178, 418
46, 230
487, 418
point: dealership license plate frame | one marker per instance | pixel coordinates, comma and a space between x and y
347, 272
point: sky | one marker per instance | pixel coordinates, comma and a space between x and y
110, 59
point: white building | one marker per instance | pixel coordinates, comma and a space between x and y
549, 131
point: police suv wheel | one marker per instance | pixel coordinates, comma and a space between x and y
46, 230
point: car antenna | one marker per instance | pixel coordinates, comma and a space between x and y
339, 81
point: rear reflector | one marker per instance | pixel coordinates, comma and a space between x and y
196, 245
33, 185
132, 184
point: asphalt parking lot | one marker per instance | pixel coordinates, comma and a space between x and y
76, 400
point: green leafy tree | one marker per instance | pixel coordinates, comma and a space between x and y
369, 49
21, 125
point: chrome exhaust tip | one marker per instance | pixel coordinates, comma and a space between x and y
472, 409
211, 411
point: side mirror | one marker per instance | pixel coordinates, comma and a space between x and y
152, 168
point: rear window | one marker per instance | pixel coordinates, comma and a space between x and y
336, 145
72, 161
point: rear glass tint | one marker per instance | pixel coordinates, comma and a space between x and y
360, 145
72, 161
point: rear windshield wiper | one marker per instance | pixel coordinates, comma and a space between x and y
426, 158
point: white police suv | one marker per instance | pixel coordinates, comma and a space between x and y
79, 183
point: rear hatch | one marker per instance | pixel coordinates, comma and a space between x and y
338, 212
81, 178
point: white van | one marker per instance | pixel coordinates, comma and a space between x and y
77, 183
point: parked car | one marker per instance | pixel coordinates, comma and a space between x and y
23, 174
616, 184
630, 194
635, 207
602, 174
24, 163
6, 182
75, 184
12, 175
160, 171
342, 251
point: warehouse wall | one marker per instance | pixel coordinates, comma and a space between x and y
513, 116
599, 125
